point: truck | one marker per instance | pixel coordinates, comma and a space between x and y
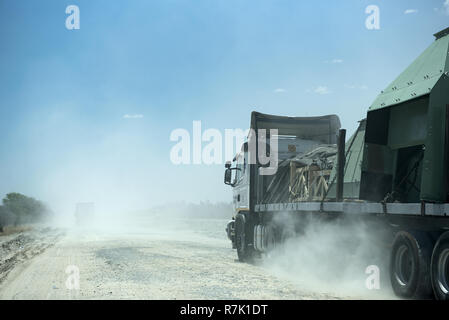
393, 171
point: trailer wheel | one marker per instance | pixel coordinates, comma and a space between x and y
410, 264
244, 251
440, 268
270, 238
287, 234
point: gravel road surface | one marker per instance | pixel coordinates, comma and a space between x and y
175, 259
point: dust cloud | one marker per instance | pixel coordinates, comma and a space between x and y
334, 257
177, 221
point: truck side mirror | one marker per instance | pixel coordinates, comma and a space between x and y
228, 164
228, 176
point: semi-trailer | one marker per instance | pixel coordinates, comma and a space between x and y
393, 172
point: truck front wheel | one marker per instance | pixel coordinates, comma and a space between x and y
440, 268
245, 251
409, 265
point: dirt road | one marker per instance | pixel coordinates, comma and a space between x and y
182, 260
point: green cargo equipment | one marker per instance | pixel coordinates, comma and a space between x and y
406, 137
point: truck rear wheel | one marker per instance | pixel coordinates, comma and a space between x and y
440, 268
287, 234
410, 264
245, 251
270, 238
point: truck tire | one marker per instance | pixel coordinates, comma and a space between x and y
287, 234
270, 238
245, 251
410, 265
440, 268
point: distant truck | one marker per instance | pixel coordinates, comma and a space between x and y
84, 213
394, 170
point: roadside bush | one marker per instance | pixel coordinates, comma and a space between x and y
6, 218
19, 209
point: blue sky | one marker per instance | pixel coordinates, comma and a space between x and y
64, 93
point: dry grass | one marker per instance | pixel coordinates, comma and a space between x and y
11, 230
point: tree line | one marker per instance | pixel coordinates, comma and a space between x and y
17, 209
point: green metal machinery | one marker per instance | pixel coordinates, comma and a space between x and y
392, 174
405, 151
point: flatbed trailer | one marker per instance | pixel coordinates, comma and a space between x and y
430, 217
429, 210
393, 172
